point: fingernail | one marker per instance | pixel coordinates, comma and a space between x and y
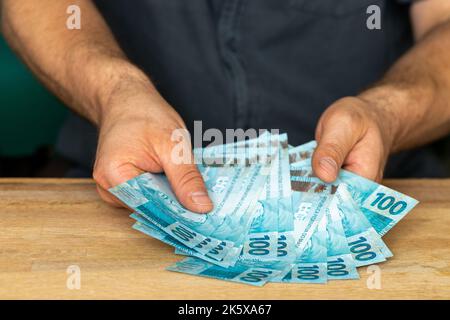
329, 166
201, 198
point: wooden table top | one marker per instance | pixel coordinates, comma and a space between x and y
48, 225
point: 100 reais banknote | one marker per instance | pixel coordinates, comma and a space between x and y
273, 220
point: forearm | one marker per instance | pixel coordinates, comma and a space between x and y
414, 95
82, 67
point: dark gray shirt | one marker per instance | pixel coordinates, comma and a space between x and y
256, 63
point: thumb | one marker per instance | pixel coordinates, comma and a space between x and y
337, 133
188, 185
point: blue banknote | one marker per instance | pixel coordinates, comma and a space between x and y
311, 264
145, 226
232, 189
382, 206
262, 239
261, 141
264, 223
165, 238
262, 242
244, 153
256, 276
236, 224
273, 220
362, 239
347, 205
309, 206
302, 152
340, 262
286, 241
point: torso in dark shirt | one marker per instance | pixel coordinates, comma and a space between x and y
257, 63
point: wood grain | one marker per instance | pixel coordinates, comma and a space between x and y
46, 225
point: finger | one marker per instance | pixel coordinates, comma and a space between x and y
338, 132
367, 158
109, 198
111, 174
188, 185
108, 176
367, 171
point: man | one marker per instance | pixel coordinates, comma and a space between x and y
241, 64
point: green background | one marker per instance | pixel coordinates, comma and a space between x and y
30, 116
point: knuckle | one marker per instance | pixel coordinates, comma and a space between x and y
101, 193
368, 172
105, 171
348, 102
350, 117
348, 111
106, 197
100, 176
375, 176
354, 116
333, 149
190, 177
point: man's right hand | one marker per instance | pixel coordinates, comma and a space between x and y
136, 127
87, 70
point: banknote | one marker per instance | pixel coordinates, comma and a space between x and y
302, 152
237, 222
145, 226
256, 276
262, 241
247, 152
264, 223
261, 141
273, 220
363, 241
232, 189
156, 233
382, 206
311, 264
207, 245
368, 195
346, 204
286, 242
340, 262
303, 169
309, 207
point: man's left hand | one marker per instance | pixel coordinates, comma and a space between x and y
355, 135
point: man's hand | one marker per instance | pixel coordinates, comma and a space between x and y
353, 134
135, 137
407, 108
87, 69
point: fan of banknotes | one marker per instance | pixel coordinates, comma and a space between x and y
273, 220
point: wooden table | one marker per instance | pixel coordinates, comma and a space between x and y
48, 225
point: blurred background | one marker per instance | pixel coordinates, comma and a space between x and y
31, 118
